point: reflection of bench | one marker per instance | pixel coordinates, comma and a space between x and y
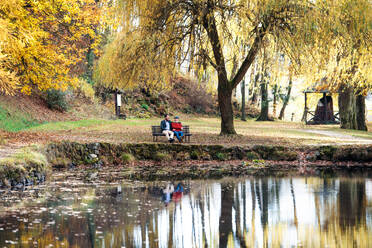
156, 132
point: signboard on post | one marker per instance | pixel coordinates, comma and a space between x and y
118, 100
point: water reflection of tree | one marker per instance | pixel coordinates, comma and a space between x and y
351, 203
339, 216
225, 223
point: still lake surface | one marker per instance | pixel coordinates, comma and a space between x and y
243, 212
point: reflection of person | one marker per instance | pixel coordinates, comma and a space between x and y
167, 193
165, 126
177, 128
178, 193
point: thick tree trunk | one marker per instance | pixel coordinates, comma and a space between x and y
352, 109
361, 112
286, 100
243, 100
264, 115
226, 109
346, 104
225, 86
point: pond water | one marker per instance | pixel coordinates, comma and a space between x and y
244, 212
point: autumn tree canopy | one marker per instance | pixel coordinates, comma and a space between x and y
43, 42
341, 55
202, 34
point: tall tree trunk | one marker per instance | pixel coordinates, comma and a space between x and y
264, 115
352, 109
361, 112
286, 100
275, 99
253, 89
233, 71
225, 86
226, 109
243, 100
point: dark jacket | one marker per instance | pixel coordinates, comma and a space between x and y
163, 125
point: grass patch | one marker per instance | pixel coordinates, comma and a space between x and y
25, 156
68, 125
127, 158
15, 121
205, 130
159, 156
24, 164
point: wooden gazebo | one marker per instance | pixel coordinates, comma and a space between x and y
323, 113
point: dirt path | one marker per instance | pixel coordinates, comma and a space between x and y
346, 139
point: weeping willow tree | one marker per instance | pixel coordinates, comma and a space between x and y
156, 38
341, 54
131, 59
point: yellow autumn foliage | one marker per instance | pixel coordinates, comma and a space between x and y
84, 89
41, 42
341, 49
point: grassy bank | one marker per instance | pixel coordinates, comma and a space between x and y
169, 162
25, 167
14, 121
205, 131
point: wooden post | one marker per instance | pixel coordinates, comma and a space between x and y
305, 108
326, 105
116, 103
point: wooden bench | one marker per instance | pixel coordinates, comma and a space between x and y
156, 132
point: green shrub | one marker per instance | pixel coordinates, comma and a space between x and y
127, 158
194, 155
221, 156
56, 99
145, 106
252, 156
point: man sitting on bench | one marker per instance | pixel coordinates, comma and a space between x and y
165, 126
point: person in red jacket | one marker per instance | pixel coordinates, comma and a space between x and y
177, 128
